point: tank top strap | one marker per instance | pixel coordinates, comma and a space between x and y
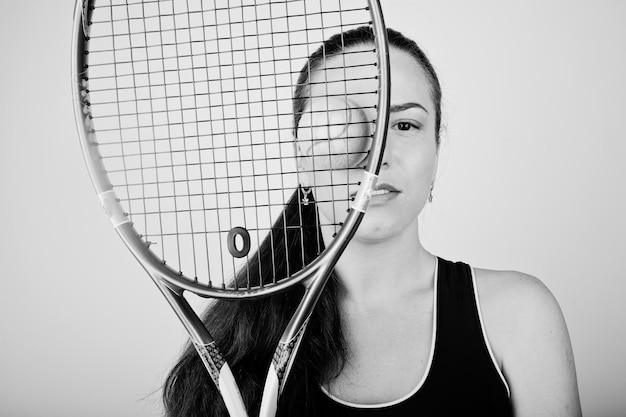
457, 311
463, 360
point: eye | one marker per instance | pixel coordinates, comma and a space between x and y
406, 126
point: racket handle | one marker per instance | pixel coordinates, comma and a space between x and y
271, 391
279, 370
269, 403
223, 378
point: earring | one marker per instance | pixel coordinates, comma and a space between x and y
306, 192
430, 195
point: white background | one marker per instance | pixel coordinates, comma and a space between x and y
531, 178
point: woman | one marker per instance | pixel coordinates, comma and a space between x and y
397, 331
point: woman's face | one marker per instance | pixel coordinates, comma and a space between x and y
410, 157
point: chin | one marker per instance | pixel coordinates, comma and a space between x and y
375, 230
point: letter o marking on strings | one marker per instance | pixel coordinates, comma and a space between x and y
238, 247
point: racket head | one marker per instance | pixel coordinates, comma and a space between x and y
187, 128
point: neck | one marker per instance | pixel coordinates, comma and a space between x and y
374, 271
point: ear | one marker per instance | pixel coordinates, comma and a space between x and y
436, 167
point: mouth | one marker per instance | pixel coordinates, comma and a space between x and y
381, 189
379, 192
384, 188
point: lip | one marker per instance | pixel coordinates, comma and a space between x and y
382, 186
385, 186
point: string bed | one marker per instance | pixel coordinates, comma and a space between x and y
192, 113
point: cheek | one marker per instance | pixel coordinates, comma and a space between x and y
426, 175
420, 169
428, 168
426, 156
415, 152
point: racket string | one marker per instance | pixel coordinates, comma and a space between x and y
181, 157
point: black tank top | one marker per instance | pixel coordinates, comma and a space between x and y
463, 379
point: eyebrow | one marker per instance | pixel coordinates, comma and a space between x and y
406, 106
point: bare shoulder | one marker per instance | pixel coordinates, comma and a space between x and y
514, 305
527, 331
514, 293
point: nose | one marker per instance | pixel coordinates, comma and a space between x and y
390, 153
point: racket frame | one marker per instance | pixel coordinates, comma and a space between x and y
169, 281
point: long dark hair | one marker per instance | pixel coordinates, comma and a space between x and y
248, 331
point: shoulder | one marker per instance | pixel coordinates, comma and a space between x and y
514, 293
515, 305
527, 331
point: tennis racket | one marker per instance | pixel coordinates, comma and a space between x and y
184, 111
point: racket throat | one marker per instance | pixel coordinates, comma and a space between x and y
223, 378
285, 355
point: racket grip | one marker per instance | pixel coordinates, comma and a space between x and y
223, 378
278, 372
269, 402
